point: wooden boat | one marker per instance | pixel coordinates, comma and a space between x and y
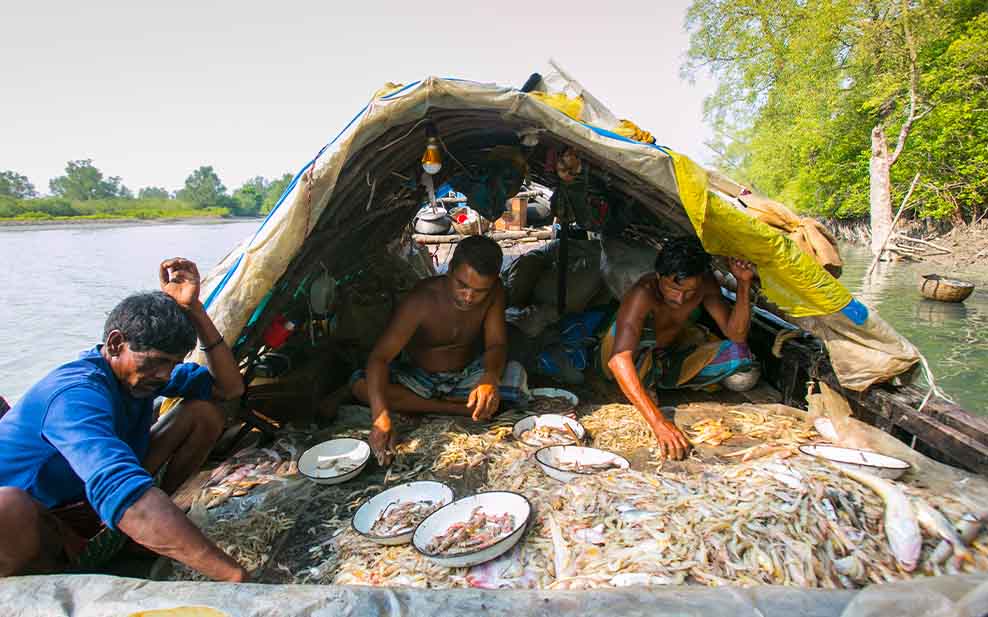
324, 224
936, 287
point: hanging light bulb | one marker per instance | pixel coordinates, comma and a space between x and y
432, 158
529, 137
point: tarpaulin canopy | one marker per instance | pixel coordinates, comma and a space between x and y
354, 194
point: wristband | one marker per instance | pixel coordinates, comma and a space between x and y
211, 346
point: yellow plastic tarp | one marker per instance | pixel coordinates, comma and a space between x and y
790, 278
627, 128
572, 107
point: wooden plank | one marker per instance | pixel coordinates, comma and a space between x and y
895, 411
949, 433
497, 236
763, 394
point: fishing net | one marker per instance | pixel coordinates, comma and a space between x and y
746, 508
745, 526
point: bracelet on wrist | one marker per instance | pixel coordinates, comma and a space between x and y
211, 346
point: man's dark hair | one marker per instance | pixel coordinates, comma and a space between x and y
480, 253
152, 320
682, 257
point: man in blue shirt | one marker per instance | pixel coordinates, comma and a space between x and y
79, 448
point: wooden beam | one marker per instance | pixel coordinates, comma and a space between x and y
951, 434
497, 236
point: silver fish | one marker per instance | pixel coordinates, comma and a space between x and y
937, 524
968, 529
901, 526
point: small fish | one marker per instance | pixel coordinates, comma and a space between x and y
640, 579
901, 526
590, 535
784, 474
588, 467
635, 516
937, 524
851, 567
505, 572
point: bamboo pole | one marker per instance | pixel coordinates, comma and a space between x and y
923, 242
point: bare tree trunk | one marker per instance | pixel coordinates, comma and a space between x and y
880, 167
880, 195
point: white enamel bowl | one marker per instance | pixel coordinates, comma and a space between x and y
548, 419
371, 510
549, 459
353, 451
494, 502
573, 399
880, 465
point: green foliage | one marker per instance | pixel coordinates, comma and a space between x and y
55, 208
153, 192
84, 194
13, 184
274, 191
204, 189
801, 84
249, 198
83, 181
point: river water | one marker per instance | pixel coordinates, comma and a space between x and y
59, 282
952, 336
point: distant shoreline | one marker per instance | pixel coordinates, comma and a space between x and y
108, 221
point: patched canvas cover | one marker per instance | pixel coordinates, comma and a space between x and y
791, 279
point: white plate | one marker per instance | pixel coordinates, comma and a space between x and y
425, 490
556, 393
355, 451
852, 458
494, 502
550, 457
548, 419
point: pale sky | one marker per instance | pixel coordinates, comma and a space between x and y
256, 88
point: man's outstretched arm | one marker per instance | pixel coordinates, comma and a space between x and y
155, 522
398, 333
630, 319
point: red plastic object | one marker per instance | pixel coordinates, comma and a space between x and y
278, 332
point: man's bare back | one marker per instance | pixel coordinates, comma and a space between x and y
447, 338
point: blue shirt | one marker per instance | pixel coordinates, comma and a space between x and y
78, 433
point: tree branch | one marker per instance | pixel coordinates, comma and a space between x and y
913, 86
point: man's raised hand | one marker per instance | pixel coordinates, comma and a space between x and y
179, 279
742, 269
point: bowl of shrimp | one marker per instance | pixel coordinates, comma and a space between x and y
474, 529
391, 516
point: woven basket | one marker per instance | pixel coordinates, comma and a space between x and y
936, 287
472, 228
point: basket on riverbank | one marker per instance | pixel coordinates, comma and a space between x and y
936, 287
